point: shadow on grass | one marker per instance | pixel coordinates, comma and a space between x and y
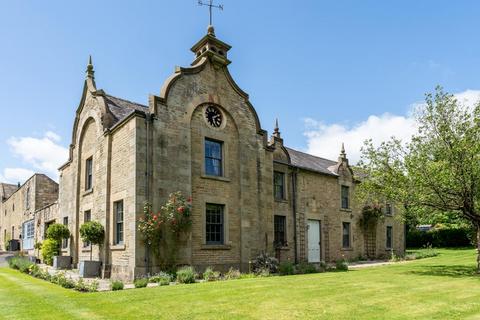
454, 271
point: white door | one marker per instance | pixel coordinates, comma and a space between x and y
313, 241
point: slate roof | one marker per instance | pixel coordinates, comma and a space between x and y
8, 190
307, 161
121, 108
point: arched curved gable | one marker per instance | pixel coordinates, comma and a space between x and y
195, 69
92, 105
281, 155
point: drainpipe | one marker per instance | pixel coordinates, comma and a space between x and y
294, 207
148, 119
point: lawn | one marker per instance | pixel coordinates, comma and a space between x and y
443, 287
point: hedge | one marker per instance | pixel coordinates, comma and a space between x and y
447, 237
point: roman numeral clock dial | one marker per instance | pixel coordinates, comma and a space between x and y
213, 116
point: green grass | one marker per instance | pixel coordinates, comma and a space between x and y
442, 287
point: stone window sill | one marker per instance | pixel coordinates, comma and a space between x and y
224, 179
346, 210
87, 192
346, 249
216, 247
284, 248
281, 200
86, 250
118, 247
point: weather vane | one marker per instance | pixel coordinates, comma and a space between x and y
210, 5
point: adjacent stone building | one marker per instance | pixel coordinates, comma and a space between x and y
202, 136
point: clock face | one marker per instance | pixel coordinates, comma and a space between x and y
213, 116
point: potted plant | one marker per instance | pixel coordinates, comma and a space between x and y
58, 232
93, 233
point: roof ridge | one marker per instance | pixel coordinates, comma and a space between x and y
129, 101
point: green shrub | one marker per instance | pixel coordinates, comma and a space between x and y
232, 274
83, 286
92, 232
50, 248
211, 275
116, 285
263, 272
21, 264
186, 275
162, 278
305, 268
263, 261
286, 268
341, 265
58, 232
63, 281
141, 282
441, 237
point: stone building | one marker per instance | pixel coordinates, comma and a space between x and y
202, 136
19, 207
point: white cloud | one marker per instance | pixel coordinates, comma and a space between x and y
325, 139
44, 155
14, 175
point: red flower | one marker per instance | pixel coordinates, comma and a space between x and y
189, 199
180, 209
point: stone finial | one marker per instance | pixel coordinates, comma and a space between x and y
343, 155
211, 30
276, 130
90, 72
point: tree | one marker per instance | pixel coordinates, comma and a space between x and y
436, 172
58, 232
93, 233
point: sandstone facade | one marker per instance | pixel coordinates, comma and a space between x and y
124, 154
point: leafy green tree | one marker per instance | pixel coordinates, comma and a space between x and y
92, 232
58, 232
438, 171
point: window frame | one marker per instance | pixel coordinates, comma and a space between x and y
389, 237
65, 241
89, 174
221, 225
349, 235
119, 225
390, 211
208, 158
346, 197
280, 221
282, 186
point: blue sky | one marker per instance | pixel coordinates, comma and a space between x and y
330, 71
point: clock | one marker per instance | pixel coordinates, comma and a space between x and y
213, 116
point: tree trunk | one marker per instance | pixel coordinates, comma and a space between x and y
91, 251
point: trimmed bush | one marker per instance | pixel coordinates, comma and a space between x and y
116, 285
186, 275
83, 286
211, 275
162, 278
263, 261
305, 268
21, 264
92, 232
50, 248
444, 237
286, 268
141, 283
341, 265
232, 274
